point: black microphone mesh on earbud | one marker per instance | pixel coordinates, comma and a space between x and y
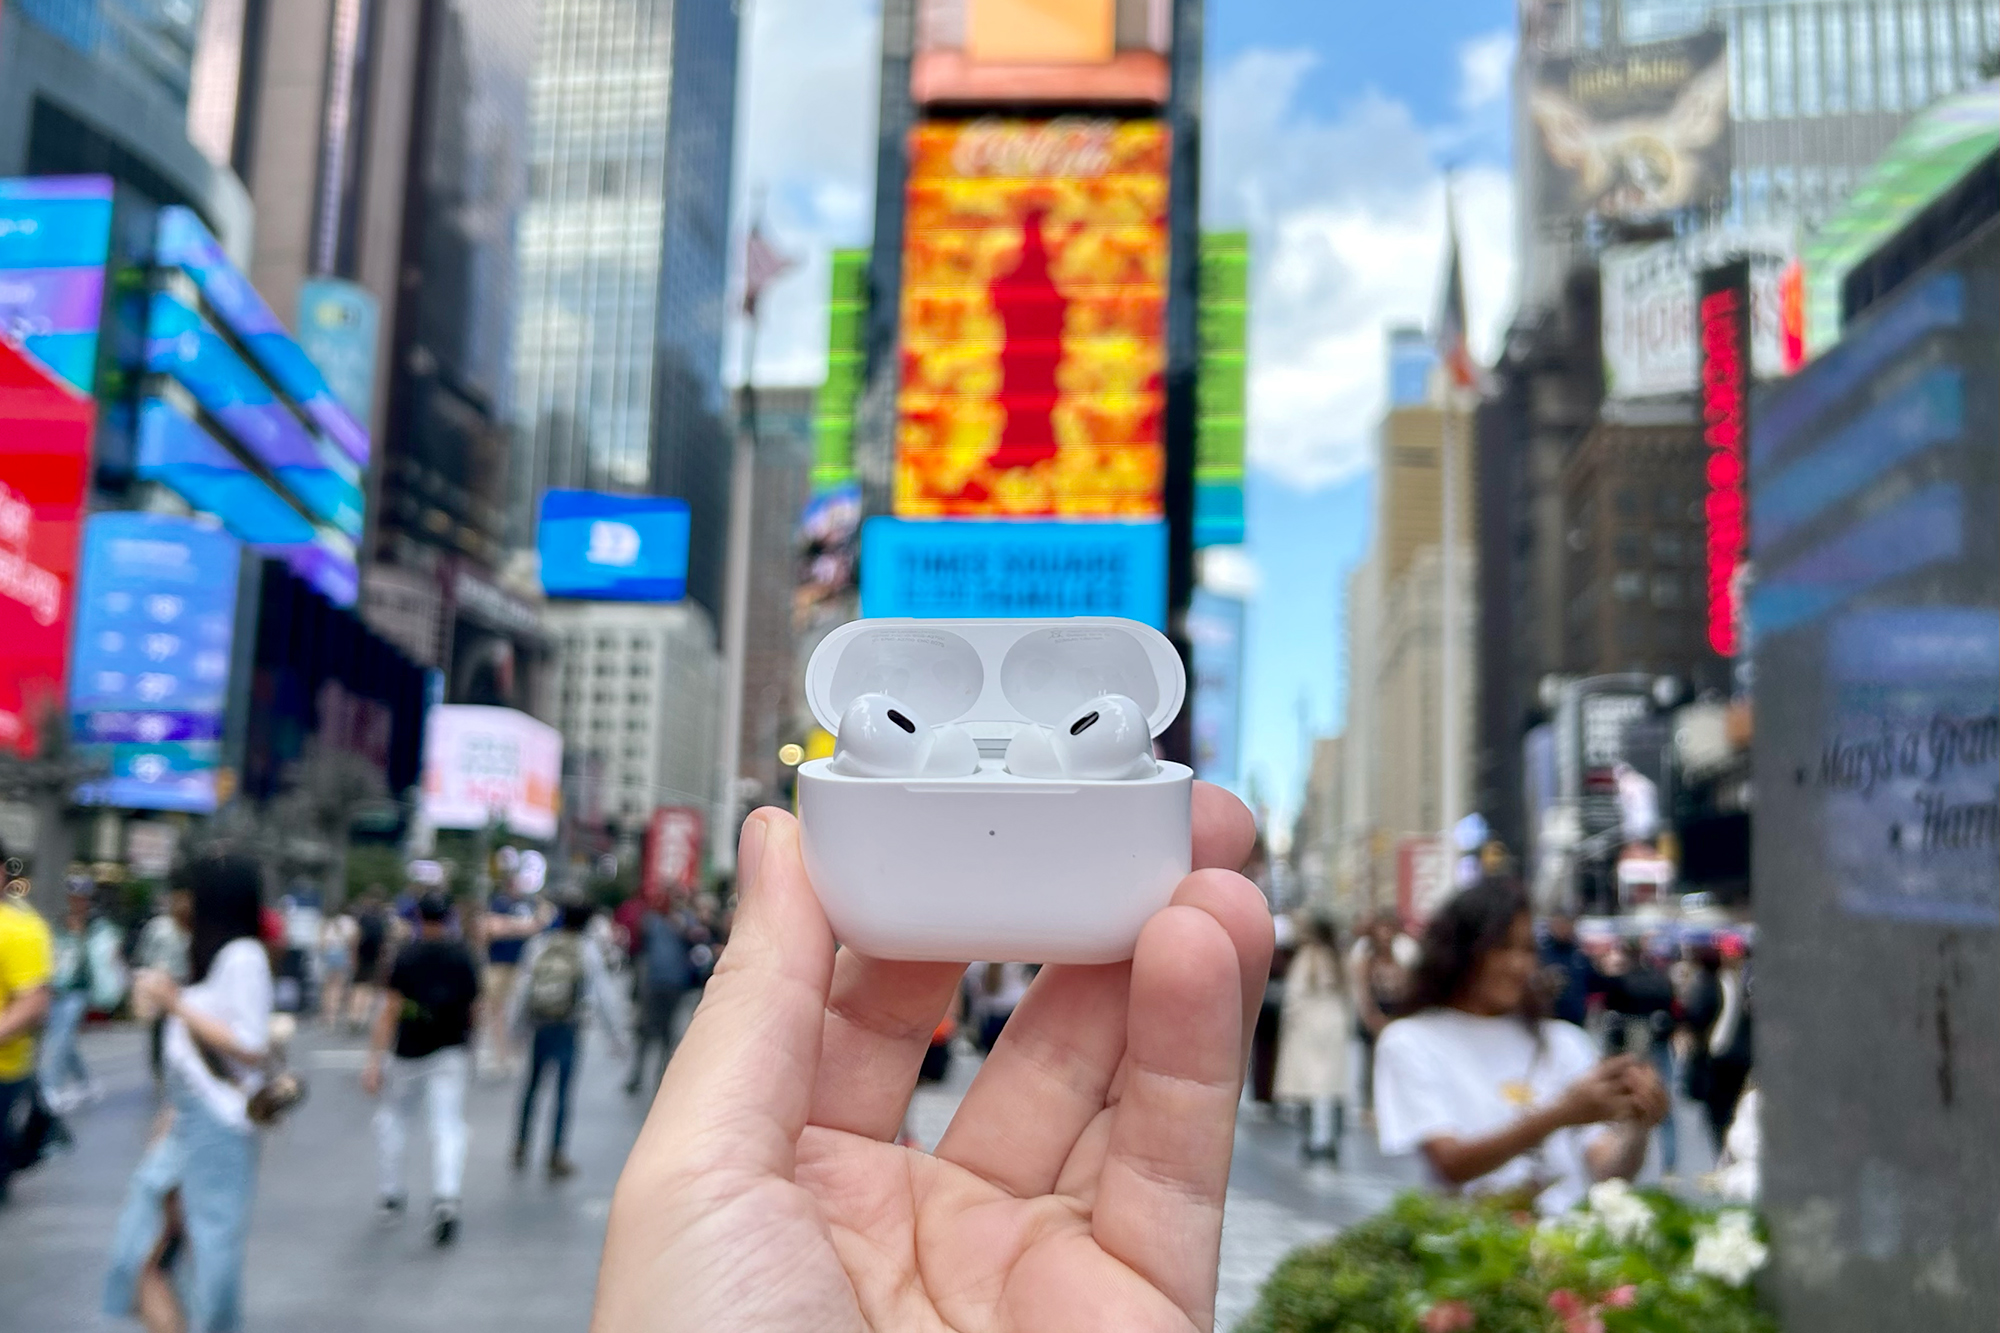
902, 722
1083, 724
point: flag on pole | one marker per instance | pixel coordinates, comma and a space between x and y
763, 264
1454, 354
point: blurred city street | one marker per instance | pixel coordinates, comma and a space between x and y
527, 1256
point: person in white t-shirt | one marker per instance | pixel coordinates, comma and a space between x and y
1495, 1097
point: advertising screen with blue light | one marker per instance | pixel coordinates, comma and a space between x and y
1004, 569
149, 685
613, 548
180, 343
55, 239
182, 242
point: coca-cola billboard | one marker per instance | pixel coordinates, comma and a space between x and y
45, 433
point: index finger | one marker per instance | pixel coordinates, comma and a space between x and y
880, 1014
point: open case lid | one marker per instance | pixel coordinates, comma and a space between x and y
996, 676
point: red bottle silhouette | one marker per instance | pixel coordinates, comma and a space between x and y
1031, 311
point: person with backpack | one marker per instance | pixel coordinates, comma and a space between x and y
664, 973
431, 1002
563, 981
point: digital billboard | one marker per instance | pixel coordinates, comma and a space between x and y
487, 764
613, 548
1215, 638
673, 851
1723, 311
339, 323
55, 239
1018, 52
1002, 570
182, 344
1633, 132
175, 451
45, 428
149, 694
1033, 320
183, 242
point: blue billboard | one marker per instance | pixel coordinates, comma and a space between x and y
175, 451
149, 685
180, 343
1004, 570
182, 242
613, 548
339, 323
55, 239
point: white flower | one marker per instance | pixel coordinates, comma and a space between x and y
1627, 1217
1729, 1250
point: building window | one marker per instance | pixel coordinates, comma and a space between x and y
605, 643
1916, 78
1626, 501
1666, 548
1944, 65
1783, 104
1629, 586
1861, 61
1836, 60
1631, 634
1666, 591
1888, 69
1756, 69
1810, 101
1627, 547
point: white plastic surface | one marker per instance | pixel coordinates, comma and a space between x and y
995, 867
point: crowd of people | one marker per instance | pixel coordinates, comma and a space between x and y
503, 984
1486, 1045
1508, 1056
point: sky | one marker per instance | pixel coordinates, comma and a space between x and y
1328, 130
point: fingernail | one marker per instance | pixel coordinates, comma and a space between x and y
750, 851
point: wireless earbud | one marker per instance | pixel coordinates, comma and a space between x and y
1106, 739
882, 737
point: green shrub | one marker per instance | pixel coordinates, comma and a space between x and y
1631, 1262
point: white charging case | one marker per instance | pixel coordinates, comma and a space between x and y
994, 867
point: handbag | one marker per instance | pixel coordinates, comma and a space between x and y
281, 1093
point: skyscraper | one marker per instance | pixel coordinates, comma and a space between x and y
624, 263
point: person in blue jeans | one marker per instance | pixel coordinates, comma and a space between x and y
562, 983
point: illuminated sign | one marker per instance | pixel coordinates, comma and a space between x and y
154, 630
673, 851
55, 238
1018, 52
487, 764
183, 243
45, 431
178, 453
1033, 321
613, 548
1002, 570
339, 322
180, 343
1723, 311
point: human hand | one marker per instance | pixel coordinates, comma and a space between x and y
1080, 1185
1650, 1102
154, 992
371, 1076
1605, 1093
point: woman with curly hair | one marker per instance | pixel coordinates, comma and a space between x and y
1496, 1097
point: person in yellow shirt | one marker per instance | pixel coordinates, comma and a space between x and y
27, 963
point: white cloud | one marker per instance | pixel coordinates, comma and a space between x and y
806, 103
1231, 571
1348, 240
1484, 66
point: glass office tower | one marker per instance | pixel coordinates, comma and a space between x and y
624, 262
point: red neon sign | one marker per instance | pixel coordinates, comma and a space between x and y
1724, 392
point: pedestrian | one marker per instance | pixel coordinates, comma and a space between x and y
88, 970
1639, 1009
177, 1255
563, 983
1312, 1038
1566, 970
1000, 989
766, 1192
1718, 1018
337, 936
27, 965
663, 976
1495, 1097
371, 939
163, 947
1378, 978
428, 1009
508, 923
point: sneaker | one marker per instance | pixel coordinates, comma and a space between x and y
390, 1209
444, 1221
560, 1167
